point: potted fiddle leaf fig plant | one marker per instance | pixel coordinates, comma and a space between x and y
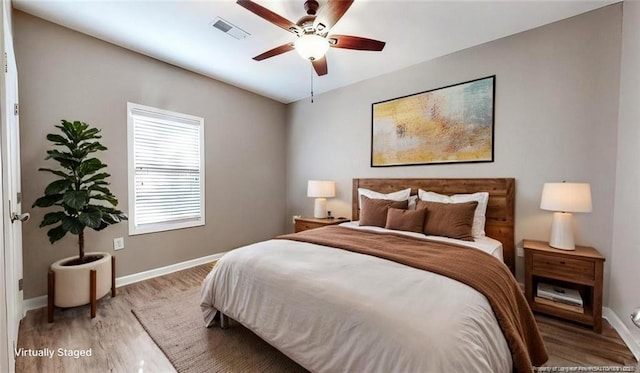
81, 199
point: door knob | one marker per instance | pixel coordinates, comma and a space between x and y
22, 217
635, 317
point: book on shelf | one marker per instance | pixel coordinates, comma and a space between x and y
559, 294
564, 306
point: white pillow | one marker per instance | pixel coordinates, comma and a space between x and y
479, 216
401, 195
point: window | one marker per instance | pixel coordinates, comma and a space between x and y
166, 170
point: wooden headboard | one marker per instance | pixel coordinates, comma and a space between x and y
500, 223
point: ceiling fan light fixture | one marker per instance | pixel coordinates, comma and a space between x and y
311, 47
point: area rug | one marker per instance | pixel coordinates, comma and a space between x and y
176, 326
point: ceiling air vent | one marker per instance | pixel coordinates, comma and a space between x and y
229, 28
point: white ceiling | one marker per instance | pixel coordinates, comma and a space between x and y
180, 32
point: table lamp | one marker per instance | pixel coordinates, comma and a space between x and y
563, 199
321, 189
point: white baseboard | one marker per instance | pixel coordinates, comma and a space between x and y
39, 302
622, 330
137, 277
33, 304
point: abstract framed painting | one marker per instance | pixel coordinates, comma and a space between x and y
452, 124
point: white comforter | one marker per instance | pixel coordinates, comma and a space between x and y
333, 310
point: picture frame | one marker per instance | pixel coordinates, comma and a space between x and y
446, 125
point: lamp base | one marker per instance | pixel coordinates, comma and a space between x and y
562, 232
320, 208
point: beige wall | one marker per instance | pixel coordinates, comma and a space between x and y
624, 295
556, 119
67, 75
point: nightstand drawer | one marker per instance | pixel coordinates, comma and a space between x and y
304, 225
564, 268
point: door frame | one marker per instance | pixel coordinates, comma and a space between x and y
11, 237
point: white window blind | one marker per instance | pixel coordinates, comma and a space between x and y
166, 170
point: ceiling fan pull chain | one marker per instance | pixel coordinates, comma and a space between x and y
311, 83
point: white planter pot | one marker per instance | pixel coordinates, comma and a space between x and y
72, 283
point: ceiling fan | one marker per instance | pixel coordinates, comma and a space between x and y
312, 31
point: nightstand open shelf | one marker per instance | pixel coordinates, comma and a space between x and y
581, 269
585, 317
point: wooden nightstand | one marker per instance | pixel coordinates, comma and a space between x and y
302, 224
580, 269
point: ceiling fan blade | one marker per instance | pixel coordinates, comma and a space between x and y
355, 42
274, 52
270, 16
320, 66
331, 12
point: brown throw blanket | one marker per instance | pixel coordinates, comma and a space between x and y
472, 267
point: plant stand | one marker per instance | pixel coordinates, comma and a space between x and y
51, 285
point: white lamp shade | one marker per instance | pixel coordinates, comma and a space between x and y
563, 199
321, 188
311, 47
566, 197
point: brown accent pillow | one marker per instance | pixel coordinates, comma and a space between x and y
452, 220
374, 211
406, 220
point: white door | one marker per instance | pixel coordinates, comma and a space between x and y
11, 198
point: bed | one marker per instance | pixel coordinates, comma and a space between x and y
338, 299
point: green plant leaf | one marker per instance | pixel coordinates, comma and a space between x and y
57, 155
73, 130
109, 198
69, 165
91, 217
60, 140
66, 160
111, 210
107, 209
52, 218
91, 147
76, 199
100, 188
56, 233
111, 215
108, 219
77, 128
47, 201
72, 225
57, 187
91, 133
55, 172
90, 166
102, 226
99, 182
120, 217
97, 177
79, 154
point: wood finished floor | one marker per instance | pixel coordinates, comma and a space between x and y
119, 344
